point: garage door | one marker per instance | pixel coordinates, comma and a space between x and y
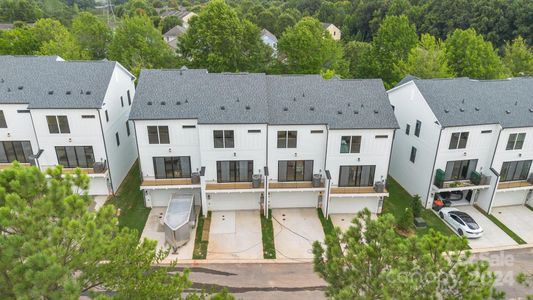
509, 198
293, 199
345, 205
233, 201
160, 198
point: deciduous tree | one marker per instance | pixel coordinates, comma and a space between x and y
92, 34
427, 60
518, 58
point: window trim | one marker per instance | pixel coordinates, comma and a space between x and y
129, 98
117, 137
128, 128
412, 156
25, 158
106, 116
236, 177
286, 139
372, 175
459, 137
418, 128
516, 141
88, 165
225, 139
351, 142
158, 134
172, 158
122, 101
304, 161
515, 162
61, 129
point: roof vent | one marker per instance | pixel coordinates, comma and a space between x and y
81, 92
476, 108
355, 112
339, 112
222, 107
88, 93
349, 104
362, 105
50, 92
285, 109
247, 107
1, 80
163, 103
303, 94
515, 103
186, 101
507, 111
446, 111
178, 103
9, 89
312, 108
463, 101
237, 99
294, 99
376, 111
20, 87
68, 92
531, 110
149, 103
461, 109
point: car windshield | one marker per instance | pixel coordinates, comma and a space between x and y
468, 220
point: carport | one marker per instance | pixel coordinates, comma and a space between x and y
518, 218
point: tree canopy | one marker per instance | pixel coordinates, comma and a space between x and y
427, 60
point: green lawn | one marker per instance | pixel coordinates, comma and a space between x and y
399, 199
200, 244
129, 199
327, 225
267, 230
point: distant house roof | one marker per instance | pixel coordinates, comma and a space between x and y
168, 11
465, 101
175, 31
6, 26
269, 34
242, 98
326, 25
50, 82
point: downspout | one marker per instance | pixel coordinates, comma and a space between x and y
138, 152
388, 165
36, 141
106, 154
433, 167
328, 175
266, 171
494, 171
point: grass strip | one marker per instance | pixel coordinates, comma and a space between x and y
200, 245
267, 231
327, 225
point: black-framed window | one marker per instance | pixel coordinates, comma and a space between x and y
459, 169
58, 124
407, 129
458, 140
106, 116
158, 135
122, 101
223, 138
128, 128
418, 126
129, 98
235, 170
356, 175
412, 157
117, 137
351, 144
3, 123
75, 156
15, 150
287, 139
515, 170
516, 141
295, 170
172, 167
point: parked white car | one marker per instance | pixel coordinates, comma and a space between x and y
462, 222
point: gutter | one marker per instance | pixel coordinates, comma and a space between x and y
106, 154
433, 167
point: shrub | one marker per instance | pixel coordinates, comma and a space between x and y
416, 206
405, 222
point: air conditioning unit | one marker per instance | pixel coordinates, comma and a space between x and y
195, 178
256, 180
99, 167
317, 180
379, 187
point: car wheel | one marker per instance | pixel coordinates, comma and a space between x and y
460, 232
441, 215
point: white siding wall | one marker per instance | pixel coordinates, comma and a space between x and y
183, 142
410, 106
309, 146
19, 125
120, 158
248, 146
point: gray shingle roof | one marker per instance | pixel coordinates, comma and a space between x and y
233, 98
464, 101
269, 34
43, 82
175, 31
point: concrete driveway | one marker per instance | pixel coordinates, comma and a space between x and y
235, 235
492, 237
295, 230
517, 218
344, 221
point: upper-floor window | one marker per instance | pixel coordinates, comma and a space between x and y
172, 167
129, 97
121, 101
412, 157
407, 129
287, 139
128, 128
460, 169
515, 170
235, 171
106, 116
223, 138
3, 123
75, 156
158, 135
356, 175
351, 144
117, 137
15, 150
516, 141
417, 128
295, 170
58, 124
458, 140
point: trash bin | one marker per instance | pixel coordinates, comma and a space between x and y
256, 180
317, 180
195, 178
379, 187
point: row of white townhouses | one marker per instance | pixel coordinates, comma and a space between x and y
70, 113
255, 141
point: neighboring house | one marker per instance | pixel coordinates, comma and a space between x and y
470, 137
255, 141
171, 36
5, 26
333, 30
70, 113
269, 39
181, 13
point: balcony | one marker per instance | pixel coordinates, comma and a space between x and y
232, 186
294, 185
517, 185
87, 171
474, 180
153, 182
355, 190
7, 165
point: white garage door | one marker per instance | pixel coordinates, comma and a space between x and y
233, 201
509, 198
160, 198
293, 199
345, 205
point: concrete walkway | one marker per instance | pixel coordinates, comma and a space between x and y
344, 221
518, 218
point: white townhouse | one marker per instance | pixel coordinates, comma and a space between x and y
70, 113
242, 141
472, 139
